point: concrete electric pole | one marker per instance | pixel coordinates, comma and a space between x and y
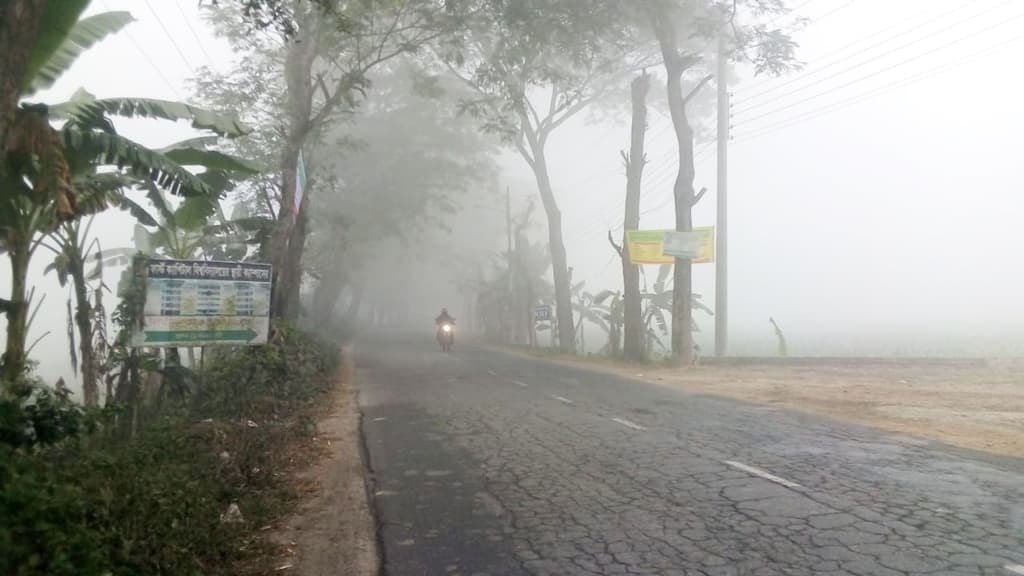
721, 226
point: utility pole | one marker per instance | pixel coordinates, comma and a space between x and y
508, 226
721, 225
511, 283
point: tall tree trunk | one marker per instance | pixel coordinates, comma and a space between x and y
676, 64
559, 263
83, 320
521, 304
19, 253
19, 24
298, 76
633, 329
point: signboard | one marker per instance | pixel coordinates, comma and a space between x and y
645, 247
200, 302
542, 313
698, 245
664, 246
300, 186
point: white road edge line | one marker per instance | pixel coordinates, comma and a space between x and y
561, 399
1015, 568
628, 424
766, 475
520, 383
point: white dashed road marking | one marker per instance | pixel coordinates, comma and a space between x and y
492, 372
628, 424
767, 476
562, 399
1015, 568
520, 383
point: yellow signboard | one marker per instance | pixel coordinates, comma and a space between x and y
664, 246
646, 247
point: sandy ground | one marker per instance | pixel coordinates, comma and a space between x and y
333, 533
967, 403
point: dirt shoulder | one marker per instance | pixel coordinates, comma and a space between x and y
973, 404
333, 531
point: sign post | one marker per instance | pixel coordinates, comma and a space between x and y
698, 245
664, 246
202, 303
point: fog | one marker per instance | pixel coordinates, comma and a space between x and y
877, 214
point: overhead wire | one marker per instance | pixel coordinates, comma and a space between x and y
199, 41
170, 37
904, 62
145, 55
742, 109
656, 134
671, 196
803, 75
836, 106
817, 19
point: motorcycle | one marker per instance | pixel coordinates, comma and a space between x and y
446, 336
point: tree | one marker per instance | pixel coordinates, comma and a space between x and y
73, 247
329, 49
686, 32
633, 344
408, 163
532, 68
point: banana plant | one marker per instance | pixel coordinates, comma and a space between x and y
613, 315
54, 174
72, 247
657, 307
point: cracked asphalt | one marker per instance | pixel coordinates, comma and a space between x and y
489, 463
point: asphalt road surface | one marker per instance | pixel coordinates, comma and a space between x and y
489, 463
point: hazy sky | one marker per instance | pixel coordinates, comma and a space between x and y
898, 210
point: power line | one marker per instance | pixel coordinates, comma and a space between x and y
153, 65
841, 49
836, 106
195, 34
831, 12
670, 168
886, 69
170, 37
792, 27
756, 105
697, 156
792, 10
142, 51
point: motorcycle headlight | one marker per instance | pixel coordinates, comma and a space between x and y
447, 328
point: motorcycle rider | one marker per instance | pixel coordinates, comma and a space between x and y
443, 319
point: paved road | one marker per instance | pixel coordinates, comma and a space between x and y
488, 463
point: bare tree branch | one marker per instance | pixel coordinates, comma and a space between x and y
698, 196
617, 248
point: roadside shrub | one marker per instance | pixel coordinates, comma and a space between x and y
74, 502
265, 381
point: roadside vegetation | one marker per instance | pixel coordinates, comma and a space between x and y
179, 488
